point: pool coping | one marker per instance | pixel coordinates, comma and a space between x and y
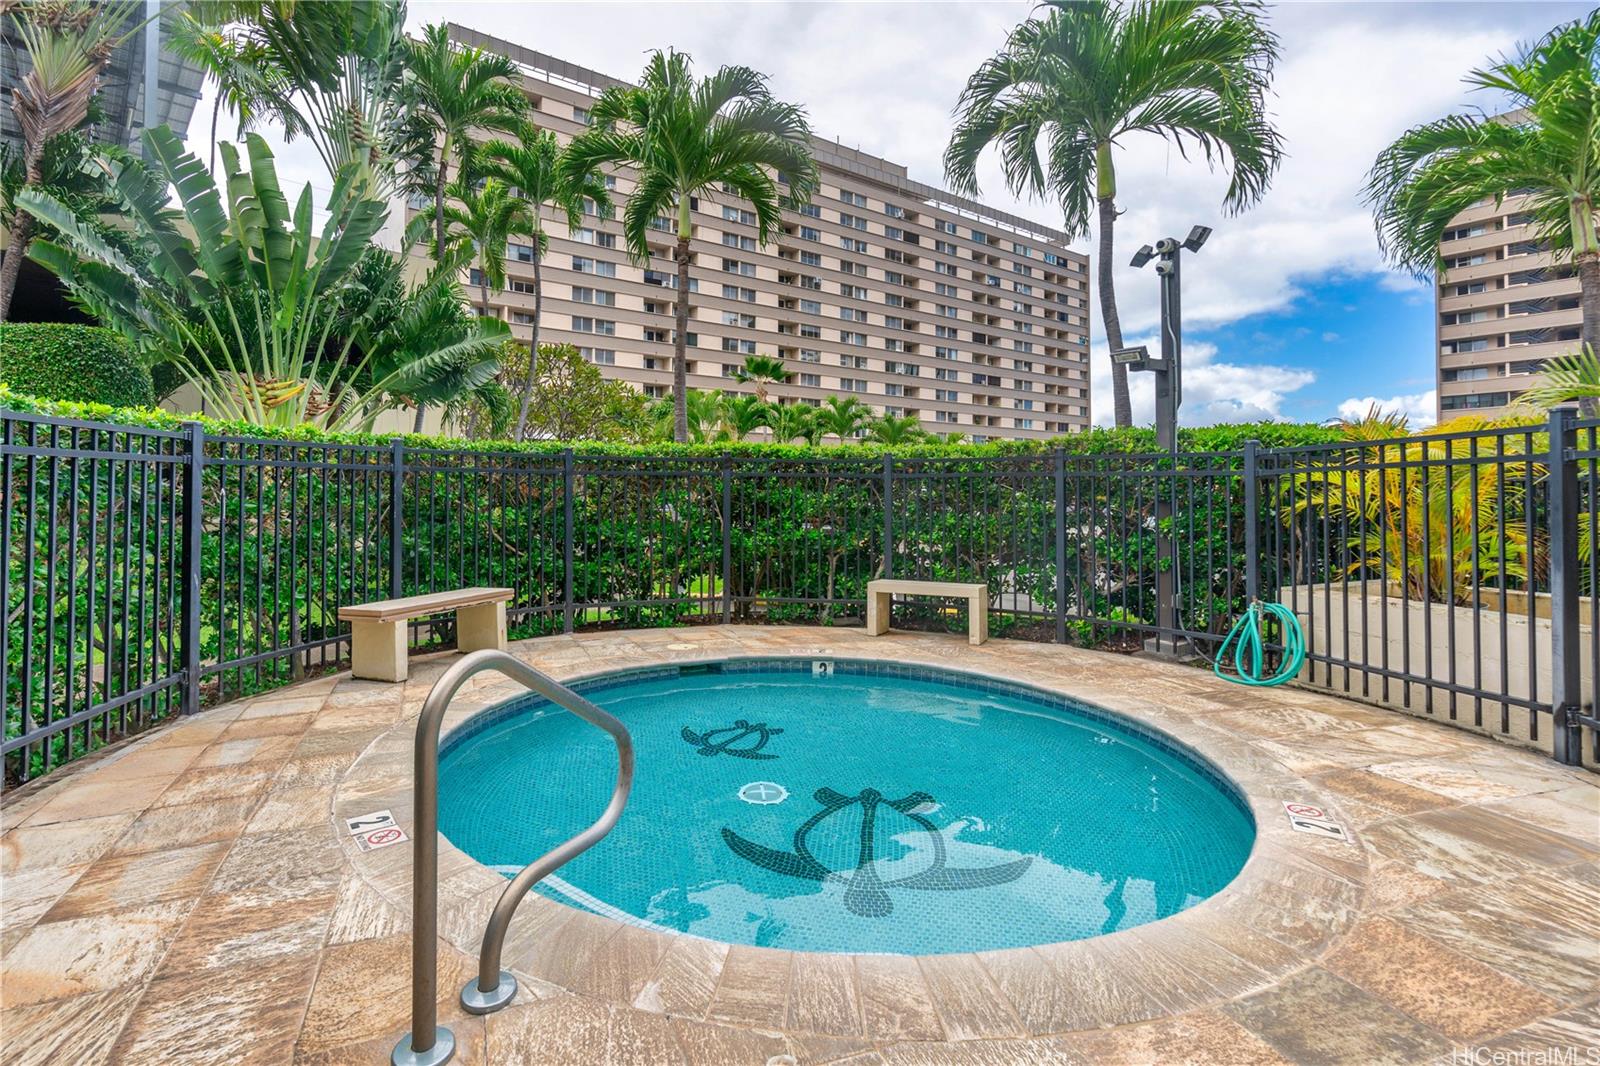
1295, 897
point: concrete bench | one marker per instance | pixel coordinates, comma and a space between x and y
378, 629
976, 595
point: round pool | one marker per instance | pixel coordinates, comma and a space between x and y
850, 807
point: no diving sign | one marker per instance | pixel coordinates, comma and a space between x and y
375, 830
1307, 818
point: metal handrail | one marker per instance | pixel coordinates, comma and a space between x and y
428, 1043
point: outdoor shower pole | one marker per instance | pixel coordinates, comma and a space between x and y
1167, 399
1168, 370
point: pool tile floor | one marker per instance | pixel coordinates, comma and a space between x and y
190, 897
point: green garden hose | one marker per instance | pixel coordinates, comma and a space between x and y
1246, 641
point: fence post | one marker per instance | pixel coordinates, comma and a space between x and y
1061, 545
1565, 646
888, 516
727, 538
397, 479
193, 515
1252, 508
566, 541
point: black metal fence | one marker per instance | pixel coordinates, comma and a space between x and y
149, 570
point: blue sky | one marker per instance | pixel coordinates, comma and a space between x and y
1362, 336
1290, 312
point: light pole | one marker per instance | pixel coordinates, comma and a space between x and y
1168, 371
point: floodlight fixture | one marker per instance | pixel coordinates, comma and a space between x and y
1197, 238
1137, 358
1143, 256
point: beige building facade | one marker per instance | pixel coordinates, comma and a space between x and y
912, 299
1504, 306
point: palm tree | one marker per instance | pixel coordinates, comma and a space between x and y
68, 43
249, 82
1090, 74
793, 421
1575, 376
532, 165
488, 215
1545, 148
684, 138
451, 91
760, 371
743, 415
897, 429
333, 73
843, 416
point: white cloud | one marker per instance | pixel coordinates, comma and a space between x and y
1418, 407
1329, 336
1213, 391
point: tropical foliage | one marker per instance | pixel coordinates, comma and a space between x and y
68, 44
255, 308
1079, 80
333, 73
534, 166
486, 214
1547, 148
762, 371
449, 91
1567, 378
688, 138
1439, 514
571, 400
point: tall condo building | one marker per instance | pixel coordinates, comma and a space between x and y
915, 300
1504, 305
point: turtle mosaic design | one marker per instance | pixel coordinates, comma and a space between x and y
708, 743
866, 893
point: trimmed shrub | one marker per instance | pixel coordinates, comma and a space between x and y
85, 364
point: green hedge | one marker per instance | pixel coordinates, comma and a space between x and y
1094, 442
73, 363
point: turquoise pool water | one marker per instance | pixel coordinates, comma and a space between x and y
879, 809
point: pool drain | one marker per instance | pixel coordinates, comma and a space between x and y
763, 793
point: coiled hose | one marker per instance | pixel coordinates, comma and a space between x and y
1248, 647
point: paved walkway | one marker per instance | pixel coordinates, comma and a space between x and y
187, 898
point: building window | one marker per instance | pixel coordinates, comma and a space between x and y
594, 296
852, 385
601, 356
811, 380
595, 237
522, 318
597, 267
603, 326
1473, 402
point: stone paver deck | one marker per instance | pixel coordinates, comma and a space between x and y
191, 898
